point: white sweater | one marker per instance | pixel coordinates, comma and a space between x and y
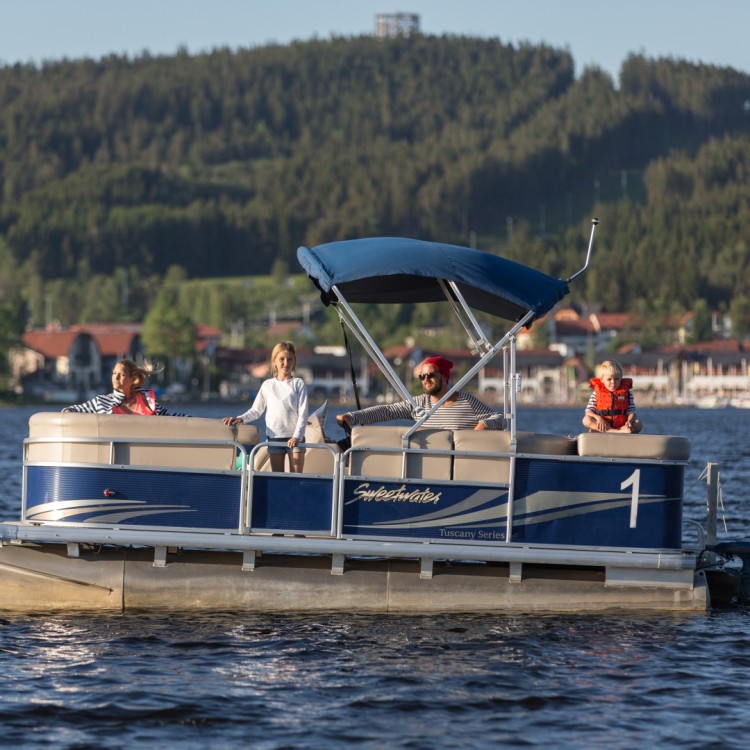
284, 403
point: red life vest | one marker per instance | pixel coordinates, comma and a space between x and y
612, 405
145, 404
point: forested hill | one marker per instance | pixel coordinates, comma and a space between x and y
224, 163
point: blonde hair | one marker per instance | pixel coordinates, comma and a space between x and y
609, 367
283, 346
139, 371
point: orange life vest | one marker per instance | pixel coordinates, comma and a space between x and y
145, 404
612, 405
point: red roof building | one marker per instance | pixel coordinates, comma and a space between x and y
72, 360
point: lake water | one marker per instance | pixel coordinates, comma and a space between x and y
374, 682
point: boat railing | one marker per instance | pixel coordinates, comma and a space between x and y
461, 455
188, 453
321, 501
184, 442
292, 503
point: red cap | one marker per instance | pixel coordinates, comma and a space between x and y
444, 365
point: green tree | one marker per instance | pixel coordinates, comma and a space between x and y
739, 313
168, 334
9, 338
701, 324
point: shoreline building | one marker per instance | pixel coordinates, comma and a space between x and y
391, 25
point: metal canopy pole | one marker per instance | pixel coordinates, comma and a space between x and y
594, 222
465, 315
355, 325
509, 336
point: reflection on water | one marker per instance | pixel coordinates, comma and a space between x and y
378, 681
233, 680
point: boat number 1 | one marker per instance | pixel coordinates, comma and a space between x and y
633, 481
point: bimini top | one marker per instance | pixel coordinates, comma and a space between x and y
397, 269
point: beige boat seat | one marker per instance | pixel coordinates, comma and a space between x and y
369, 461
118, 439
477, 468
627, 445
317, 460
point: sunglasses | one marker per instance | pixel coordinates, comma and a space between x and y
428, 375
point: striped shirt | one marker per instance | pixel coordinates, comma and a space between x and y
106, 402
591, 406
461, 414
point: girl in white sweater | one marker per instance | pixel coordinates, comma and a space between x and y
283, 400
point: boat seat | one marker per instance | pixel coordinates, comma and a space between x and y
544, 444
481, 468
473, 468
213, 446
372, 462
317, 460
627, 445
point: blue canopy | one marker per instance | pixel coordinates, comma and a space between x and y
397, 269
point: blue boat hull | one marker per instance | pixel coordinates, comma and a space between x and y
555, 502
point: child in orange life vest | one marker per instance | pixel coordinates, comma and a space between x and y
611, 407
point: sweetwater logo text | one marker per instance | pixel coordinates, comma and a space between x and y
401, 495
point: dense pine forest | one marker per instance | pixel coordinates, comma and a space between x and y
125, 182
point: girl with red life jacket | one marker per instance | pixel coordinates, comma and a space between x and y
128, 395
611, 407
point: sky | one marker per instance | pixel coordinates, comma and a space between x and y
601, 33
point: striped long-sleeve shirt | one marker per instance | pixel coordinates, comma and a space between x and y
106, 402
461, 414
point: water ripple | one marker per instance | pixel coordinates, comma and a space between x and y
273, 682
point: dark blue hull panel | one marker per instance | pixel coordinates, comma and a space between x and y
124, 497
292, 501
602, 504
420, 510
556, 502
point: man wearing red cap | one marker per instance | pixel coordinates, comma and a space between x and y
459, 412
